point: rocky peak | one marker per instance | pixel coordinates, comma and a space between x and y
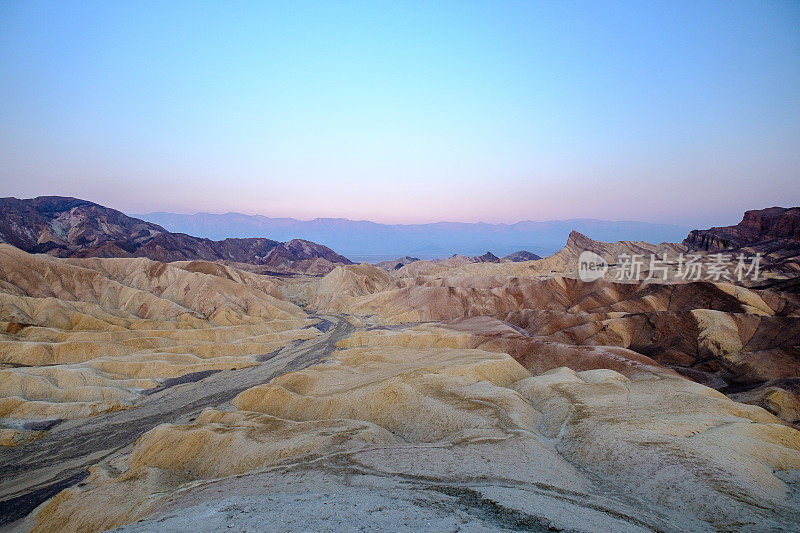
488, 257
522, 255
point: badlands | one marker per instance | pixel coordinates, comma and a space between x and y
461, 396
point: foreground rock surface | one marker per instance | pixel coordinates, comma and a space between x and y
436, 436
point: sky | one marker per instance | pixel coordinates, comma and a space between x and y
677, 112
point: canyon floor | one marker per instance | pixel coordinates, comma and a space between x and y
194, 395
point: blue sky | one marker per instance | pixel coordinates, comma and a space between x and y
677, 112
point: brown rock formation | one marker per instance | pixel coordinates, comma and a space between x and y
774, 233
69, 227
757, 226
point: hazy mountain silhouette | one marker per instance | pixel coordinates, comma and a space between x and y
365, 240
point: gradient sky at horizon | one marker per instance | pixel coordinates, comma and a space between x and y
677, 112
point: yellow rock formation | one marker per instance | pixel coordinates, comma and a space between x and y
84, 336
441, 413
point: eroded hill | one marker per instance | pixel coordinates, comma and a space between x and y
86, 336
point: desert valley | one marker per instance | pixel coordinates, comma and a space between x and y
158, 381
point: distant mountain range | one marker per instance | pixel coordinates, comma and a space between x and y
70, 227
370, 241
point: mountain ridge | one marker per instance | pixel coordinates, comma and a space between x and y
363, 240
72, 227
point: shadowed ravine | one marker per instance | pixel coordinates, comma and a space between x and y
31, 474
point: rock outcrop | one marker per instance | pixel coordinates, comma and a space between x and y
756, 227
565, 261
774, 233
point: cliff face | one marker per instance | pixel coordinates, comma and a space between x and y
756, 228
706, 241
773, 222
70, 227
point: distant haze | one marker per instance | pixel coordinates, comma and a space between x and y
370, 241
